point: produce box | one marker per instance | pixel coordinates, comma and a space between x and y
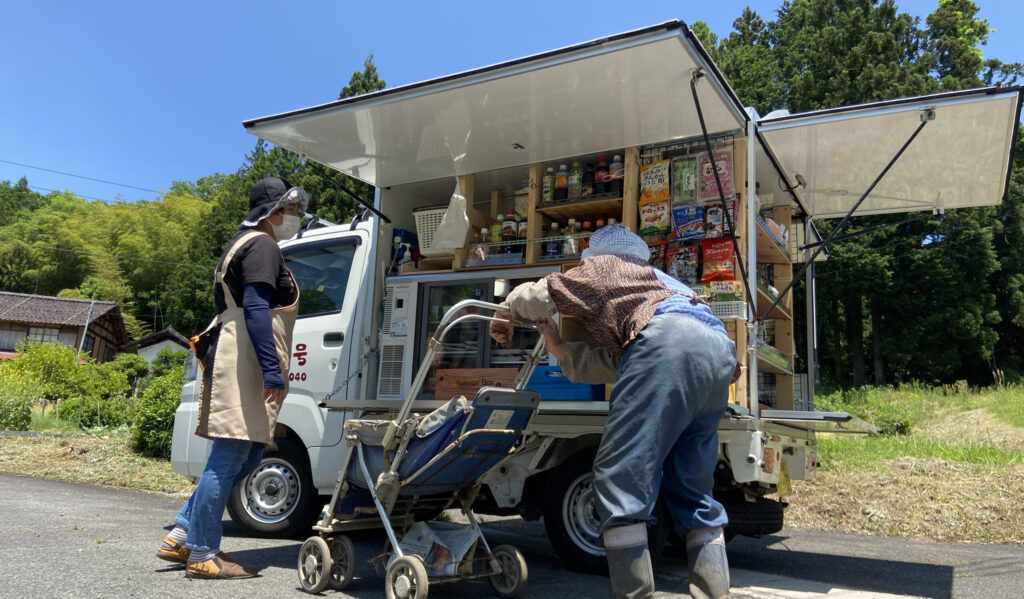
552, 385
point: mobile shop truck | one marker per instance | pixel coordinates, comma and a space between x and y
654, 98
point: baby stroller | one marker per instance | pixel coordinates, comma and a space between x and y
403, 469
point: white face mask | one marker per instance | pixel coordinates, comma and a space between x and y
288, 228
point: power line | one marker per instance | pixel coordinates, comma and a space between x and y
83, 252
57, 191
50, 170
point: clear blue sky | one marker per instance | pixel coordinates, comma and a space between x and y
143, 93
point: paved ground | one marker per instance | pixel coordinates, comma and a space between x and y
67, 540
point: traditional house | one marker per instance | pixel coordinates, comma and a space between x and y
45, 318
150, 345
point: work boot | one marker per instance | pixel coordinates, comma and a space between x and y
629, 561
172, 551
708, 564
220, 566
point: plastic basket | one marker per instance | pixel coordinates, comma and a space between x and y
427, 222
729, 310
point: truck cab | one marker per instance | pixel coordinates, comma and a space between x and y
651, 95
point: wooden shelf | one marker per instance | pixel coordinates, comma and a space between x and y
766, 365
767, 249
764, 301
583, 210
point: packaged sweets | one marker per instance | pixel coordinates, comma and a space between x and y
657, 258
715, 224
717, 258
654, 183
706, 179
654, 218
726, 291
687, 222
684, 180
684, 264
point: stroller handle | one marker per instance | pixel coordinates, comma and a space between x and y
448, 321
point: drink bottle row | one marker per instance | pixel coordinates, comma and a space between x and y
570, 184
557, 240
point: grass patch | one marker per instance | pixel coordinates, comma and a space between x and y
842, 452
103, 458
44, 419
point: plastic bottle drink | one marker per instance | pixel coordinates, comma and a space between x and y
553, 246
479, 251
588, 181
575, 182
600, 223
601, 175
562, 184
571, 244
616, 173
585, 241
496, 234
548, 190
509, 232
521, 233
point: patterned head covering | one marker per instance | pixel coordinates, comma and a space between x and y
617, 240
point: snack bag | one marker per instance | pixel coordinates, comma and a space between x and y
726, 291
717, 256
654, 183
684, 180
657, 258
684, 266
654, 218
687, 222
706, 179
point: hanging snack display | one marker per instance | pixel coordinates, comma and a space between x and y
684, 265
684, 180
708, 186
654, 183
654, 219
717, 257
688, 222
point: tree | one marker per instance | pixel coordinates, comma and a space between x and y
363, 82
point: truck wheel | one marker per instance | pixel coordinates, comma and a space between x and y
752, 518
571, 519
277, 499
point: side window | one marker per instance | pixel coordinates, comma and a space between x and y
321, 272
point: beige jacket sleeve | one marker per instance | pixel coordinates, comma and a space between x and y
530, 302
586, 364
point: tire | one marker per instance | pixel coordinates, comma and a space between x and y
571, 521
278, 499
343, 563
406, 578
752, 518
512, 581
314, 565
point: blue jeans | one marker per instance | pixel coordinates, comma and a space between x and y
671, 393
230, 461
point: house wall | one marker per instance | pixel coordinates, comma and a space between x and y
11, 334
151, 351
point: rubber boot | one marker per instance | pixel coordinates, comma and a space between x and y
708, 564
629, 561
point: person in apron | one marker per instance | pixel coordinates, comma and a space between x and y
671, 363
244, 373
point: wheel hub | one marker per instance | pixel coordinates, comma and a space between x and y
580, 515
402, 585
310, 563
271, 492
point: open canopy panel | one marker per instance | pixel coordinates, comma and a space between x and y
961, 159
628, 90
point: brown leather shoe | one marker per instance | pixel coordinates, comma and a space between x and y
220, 568
172, 551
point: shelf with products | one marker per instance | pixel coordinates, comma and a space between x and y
765, 298
768, 249
770, 359
587, 209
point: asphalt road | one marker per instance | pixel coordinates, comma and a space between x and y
69, 540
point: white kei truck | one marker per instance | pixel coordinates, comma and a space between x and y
646, 96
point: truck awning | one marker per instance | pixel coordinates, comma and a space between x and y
959, 160
627, 90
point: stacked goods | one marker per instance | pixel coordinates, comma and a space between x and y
655, 196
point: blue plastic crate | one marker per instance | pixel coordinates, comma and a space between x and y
552, 385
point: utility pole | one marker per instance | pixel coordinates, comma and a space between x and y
85, 331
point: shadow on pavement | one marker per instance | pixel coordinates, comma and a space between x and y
769, 554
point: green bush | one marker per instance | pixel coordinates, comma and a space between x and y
54, 365
133, 366
167, 360
90, 412
16, 395
154, 423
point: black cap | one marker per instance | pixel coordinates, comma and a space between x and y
263, 197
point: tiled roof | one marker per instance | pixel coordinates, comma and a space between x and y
42, 309
167, 334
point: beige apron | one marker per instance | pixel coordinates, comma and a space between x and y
231, 403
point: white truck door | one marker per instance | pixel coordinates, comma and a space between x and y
328, 271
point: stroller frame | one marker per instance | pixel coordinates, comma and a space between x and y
328, 558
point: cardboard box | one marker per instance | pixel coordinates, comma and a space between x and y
467, 381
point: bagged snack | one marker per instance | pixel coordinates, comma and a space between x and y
684, 180
715, 224
717, 257
657, 258
706, 179
687, 222
726, 291
654, 218
684, 265
654, 183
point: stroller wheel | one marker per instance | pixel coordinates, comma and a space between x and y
406, 578
343, 559
511, 581
314, 565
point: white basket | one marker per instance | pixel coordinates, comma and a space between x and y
729, 310
427, 222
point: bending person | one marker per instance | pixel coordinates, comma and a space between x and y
671, 362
